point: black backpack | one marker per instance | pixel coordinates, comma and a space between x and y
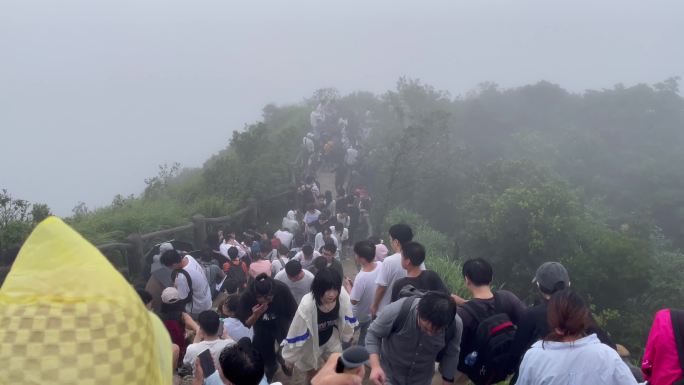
235, 280
411, 294
493, 339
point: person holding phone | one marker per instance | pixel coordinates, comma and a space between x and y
207, 338
239, 364
206, 364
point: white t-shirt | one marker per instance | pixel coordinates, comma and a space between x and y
285, 237
306, 263
308, 144
201, 294
390, 272
299, 288
319, 242
223, 249
236, 329
350, 157
340, 237
310, 217
364, 292
278, 264
215, 348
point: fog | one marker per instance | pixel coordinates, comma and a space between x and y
94, 95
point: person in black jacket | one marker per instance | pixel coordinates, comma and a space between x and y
268, 306
549, 278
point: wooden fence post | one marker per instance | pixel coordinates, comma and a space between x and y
135, 260
199, 231
135, 242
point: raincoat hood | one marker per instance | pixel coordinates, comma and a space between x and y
69, 317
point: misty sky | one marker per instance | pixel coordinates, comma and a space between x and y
95, 94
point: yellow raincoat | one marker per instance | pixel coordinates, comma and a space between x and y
67, 317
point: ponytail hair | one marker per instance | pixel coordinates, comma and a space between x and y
567, 313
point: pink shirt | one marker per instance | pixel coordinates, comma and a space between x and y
661, 361
260, 266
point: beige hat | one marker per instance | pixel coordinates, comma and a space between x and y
170, 295
622, 351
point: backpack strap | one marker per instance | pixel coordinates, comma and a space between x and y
677, 317
480, 314
475, 311
174, 274
400, 320
498, 306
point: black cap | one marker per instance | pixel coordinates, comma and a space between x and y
551, 273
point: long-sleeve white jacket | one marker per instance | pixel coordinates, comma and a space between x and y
301, 344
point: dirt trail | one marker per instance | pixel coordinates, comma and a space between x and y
327, 181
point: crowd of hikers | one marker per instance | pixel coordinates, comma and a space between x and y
271, 319
282, 290
261, 303
291, 305
283, 295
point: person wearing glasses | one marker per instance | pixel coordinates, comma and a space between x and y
268, 307
328, 252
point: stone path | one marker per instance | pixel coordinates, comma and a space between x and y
327, 181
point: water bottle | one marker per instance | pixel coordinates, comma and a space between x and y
471, 358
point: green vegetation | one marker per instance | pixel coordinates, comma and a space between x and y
17, 219
517, 176
532, 174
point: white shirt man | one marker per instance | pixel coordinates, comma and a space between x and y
363, 292
298, 280
308, 143
306, 262
320, 240
278, 263
223, 248
201, 294
342, 235
312, 215
390, 272
285, 237
350, 156
206, 338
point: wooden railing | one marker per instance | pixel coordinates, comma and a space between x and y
133, 248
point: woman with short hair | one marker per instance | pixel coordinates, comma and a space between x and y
324, 320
